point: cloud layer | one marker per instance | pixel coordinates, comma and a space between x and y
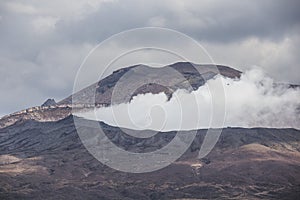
253, 101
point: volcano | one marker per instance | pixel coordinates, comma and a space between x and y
42, 156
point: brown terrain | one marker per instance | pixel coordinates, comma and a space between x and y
42, 156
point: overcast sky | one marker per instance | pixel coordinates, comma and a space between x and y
42, 43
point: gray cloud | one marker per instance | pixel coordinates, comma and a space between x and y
216, 21
43, 43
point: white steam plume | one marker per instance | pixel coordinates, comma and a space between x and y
252, 101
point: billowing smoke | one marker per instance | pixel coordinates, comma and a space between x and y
252, 101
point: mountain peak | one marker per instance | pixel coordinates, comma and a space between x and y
185, 75
49, 102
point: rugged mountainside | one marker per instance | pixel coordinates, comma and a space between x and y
42, 156
39, 113
46, 160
